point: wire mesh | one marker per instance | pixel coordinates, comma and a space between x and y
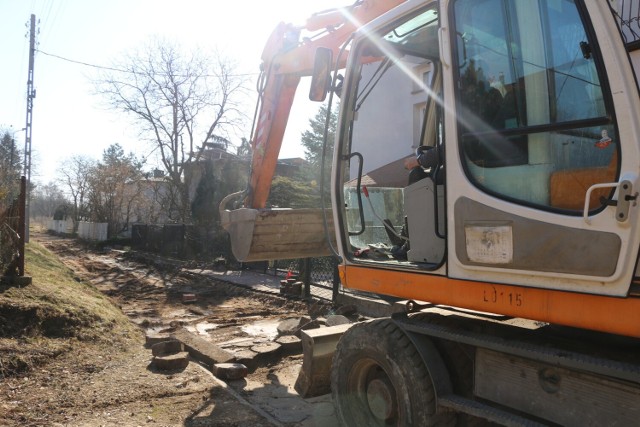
11, 226
323, 277
9, 241
319, 274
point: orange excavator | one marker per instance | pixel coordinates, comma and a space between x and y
511, 247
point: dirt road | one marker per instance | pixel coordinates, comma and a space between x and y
102, 385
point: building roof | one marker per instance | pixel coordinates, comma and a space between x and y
390, 175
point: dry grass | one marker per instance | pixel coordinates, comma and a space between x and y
43, 319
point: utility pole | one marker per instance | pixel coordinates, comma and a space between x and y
31, 94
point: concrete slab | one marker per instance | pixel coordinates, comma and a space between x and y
245, 278
290, 344
266, 348
280, 399
289, 326
230, 371
337, 319
152, 338
247, 358
167, 347
171, 362
202, 350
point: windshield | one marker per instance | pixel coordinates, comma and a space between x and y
418, 36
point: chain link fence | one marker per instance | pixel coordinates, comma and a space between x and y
319, 275
189, 242
186, 242
12, 228
324, 277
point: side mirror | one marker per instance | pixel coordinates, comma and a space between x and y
321, 77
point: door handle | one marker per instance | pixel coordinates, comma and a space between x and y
626, 197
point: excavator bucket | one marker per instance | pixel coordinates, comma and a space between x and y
270, 234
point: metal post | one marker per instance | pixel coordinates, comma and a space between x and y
336, 280
305, 276
31, 94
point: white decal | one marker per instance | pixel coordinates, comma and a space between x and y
489, 244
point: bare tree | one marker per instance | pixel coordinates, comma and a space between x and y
179, 100
75, 172
46, 199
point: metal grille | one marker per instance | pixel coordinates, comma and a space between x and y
627, 13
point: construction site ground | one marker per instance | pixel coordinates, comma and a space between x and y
111, 381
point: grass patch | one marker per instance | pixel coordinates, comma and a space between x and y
41, 320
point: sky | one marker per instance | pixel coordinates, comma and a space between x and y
69, 118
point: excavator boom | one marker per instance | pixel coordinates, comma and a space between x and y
285, 60
265, 234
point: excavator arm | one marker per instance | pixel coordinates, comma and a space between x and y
285, 60
257, 233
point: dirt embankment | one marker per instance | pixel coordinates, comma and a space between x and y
72, 344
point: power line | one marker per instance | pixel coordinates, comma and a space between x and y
86, 64
120, 70
50, 21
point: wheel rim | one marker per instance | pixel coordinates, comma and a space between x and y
373, 388
381, 398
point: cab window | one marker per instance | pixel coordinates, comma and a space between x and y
533, 119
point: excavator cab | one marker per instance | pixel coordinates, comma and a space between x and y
520, 99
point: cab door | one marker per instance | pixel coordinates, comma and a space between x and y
543, 180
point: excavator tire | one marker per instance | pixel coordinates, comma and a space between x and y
379, 379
